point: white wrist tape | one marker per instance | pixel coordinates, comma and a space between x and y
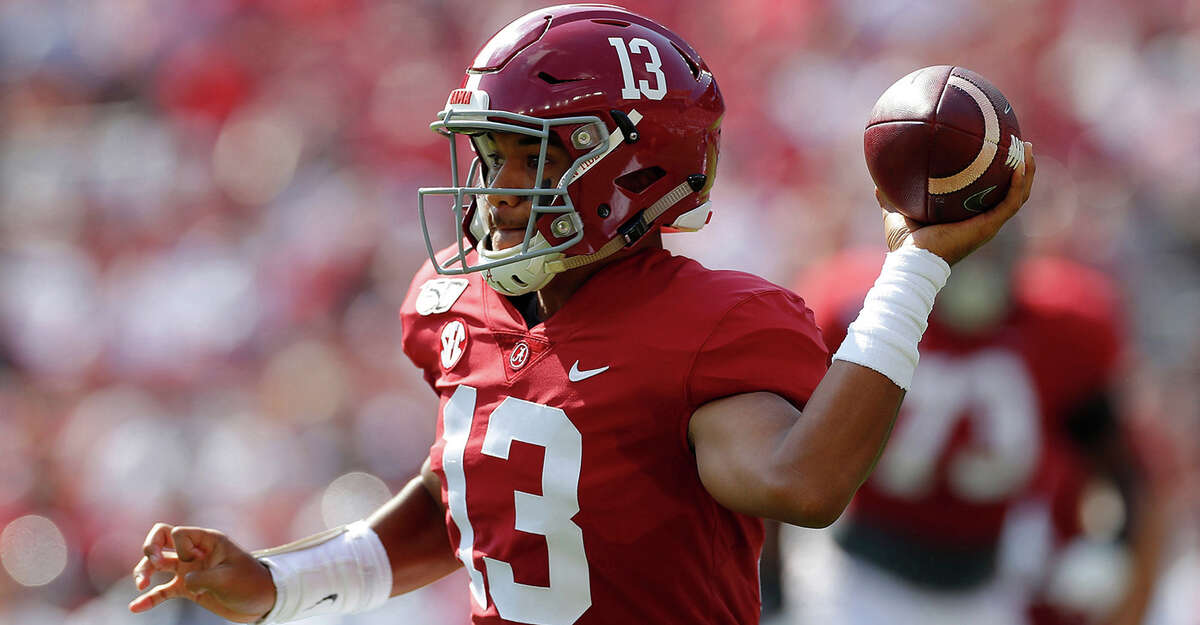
895, 314
347, 573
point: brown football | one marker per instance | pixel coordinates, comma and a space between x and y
942, 144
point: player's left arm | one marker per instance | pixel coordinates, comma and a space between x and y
759, 454
1096, 428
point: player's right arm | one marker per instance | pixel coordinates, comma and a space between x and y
211, 570
759, 454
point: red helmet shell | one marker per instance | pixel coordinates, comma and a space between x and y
582, 59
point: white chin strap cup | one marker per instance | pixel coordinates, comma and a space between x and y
522, 276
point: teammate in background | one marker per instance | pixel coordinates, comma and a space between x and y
614, 420
1013, 402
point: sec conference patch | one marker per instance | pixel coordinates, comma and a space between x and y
439, 294
454, 343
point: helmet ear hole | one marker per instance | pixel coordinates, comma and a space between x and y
640, 180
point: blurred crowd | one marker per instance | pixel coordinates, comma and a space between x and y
208, 223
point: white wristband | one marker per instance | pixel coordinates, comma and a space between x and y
895, 314
346, 573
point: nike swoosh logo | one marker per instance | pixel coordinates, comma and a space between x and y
575, 375
331, 598
974, 203
1007, 108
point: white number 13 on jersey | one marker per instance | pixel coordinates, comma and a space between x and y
654, 66
549, 514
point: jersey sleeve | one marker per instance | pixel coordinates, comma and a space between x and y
767, 342
416, 336
835, 289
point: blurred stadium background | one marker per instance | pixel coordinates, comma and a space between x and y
207, 224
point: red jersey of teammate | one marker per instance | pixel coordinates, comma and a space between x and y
984, 419
572, 494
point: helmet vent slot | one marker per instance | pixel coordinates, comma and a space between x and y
618, 23
688, 59
556, 81
640, 180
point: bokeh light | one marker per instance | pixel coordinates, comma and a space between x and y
256, 157
33, 550
351, 497
306, 381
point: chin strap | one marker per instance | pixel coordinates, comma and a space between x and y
629, 233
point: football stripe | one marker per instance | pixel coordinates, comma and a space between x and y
987, 152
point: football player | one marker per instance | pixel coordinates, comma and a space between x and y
1012, 404
614, 420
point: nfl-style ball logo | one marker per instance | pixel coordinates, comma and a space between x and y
454, 343
519, 356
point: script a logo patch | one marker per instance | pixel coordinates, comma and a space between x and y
519, 355
454, 343
519, 352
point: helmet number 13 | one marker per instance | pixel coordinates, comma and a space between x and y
633, 91
568, 595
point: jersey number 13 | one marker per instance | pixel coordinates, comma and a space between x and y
548, 514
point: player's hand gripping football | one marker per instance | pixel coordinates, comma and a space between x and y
954, 241
207, 568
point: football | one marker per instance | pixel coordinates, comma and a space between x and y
942, 144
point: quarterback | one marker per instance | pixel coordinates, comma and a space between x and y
614, 420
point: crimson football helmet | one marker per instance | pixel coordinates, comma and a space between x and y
633, 104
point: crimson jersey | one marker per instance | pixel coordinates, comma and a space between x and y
985, 416
572, 494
